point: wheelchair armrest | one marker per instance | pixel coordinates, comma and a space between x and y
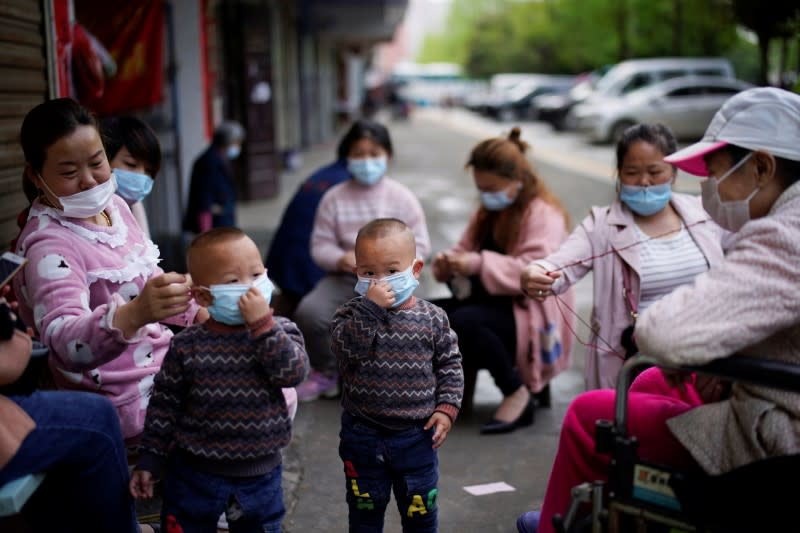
775, 374
765, 372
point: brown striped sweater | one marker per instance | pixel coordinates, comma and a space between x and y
217, 398
399, 365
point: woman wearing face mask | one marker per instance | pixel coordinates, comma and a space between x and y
648, 242
212, 191
346, 208
523, 344
92, 287
134, 153
748, 304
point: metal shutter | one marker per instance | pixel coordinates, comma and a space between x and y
23, 84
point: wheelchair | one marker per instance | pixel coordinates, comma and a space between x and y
644, 497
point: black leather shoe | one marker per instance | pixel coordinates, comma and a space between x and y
525, 418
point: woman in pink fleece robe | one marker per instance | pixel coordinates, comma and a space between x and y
92, 286
522, 343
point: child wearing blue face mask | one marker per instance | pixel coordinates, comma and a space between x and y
402, 382
346, 207
218, 418
134, 153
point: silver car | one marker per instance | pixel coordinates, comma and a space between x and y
685, 104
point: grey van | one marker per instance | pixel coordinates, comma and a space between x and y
633, 74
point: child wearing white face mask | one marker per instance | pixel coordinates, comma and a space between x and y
401, 382
218, 417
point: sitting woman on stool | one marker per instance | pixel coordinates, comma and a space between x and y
522, 343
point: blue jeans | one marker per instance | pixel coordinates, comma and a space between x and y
194, 500
377, 460
78, 443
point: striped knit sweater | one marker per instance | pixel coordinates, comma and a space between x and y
399, 365
218, 399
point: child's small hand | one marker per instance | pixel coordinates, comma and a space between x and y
253, 306
141, 484
381, 293
441, 424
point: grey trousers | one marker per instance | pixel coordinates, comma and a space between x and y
315, 313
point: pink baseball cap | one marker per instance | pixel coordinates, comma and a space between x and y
763, 118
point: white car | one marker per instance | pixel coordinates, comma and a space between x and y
685, 104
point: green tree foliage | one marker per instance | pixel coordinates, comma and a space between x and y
570, 36
767, 22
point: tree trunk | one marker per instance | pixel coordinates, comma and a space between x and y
622, 29
784, 58
763, 49
677, 26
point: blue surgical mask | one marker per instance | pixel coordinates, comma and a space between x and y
403, 285
233, 151
367, 171
498, 200
645, 201
132, 186
225, 306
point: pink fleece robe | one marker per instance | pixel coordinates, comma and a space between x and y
77, 275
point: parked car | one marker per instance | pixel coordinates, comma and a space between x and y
634, 74
553, 108
499, 85
515, 103
685, 104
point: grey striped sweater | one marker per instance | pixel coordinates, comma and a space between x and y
217, 398
399, 365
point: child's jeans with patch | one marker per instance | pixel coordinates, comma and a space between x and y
194, 500
377, 460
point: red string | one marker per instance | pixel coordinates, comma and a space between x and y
613, 250
559, 303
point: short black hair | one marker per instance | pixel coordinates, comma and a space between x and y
365, 129
213, 236
136, 136
658, 135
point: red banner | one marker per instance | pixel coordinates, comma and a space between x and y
133, 34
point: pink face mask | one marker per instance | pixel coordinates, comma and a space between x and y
730, 215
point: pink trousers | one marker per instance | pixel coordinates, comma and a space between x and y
651, 403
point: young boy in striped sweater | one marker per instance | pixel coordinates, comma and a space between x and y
218, 419
402, 383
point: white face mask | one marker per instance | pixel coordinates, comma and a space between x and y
730, 215
88, 203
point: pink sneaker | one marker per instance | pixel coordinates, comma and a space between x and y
316, 385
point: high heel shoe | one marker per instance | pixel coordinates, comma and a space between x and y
525, 418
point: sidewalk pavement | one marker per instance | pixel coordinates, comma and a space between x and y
430, 154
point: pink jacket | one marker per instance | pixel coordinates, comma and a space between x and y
76, 277
539, 325
611, 228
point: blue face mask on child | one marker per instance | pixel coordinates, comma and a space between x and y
225, 307
403, 285
646, 201
132, 186
367, 171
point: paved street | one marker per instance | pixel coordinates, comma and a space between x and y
431, 150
